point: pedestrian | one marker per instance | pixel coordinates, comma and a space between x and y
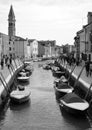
8, 63
87, 67
2, 63
77, 61
90, 71
10, 60
6, 58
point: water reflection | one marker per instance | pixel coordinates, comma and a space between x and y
3, 111
20, 107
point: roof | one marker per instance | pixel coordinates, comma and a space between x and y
47, 42
11, 13
17, 38
31, 40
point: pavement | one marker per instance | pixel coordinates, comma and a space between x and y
6, 73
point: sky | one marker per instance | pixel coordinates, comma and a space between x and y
46, 19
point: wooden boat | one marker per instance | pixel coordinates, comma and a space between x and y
61, 89
46, 67
28, 68
20, 87
72, 103
60, 80
25, 73
20, 96
23, 78
58, 73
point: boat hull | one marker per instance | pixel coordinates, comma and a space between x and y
72, 110
19, 101
18, 98
61, 92
23, 79
58, 74
73, 104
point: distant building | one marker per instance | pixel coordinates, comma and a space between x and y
58, 50
21, 47
41, 48
84, 41
46, 48
28, 50
33, 48
4, 44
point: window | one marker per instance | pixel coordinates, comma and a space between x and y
10, 24
9, 48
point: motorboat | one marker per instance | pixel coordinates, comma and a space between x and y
72, 103
60, 80
28, 69
46, 67
61, 89
58, 73
23, 78
24, 73
20, 96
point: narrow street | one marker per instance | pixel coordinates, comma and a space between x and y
42, 112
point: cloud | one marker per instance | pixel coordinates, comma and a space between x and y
46, 19
48, 2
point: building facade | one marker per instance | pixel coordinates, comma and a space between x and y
21, 47
49, 48
4, 44
41, 48
83, 39
33, 48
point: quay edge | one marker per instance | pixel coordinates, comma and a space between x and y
4, 94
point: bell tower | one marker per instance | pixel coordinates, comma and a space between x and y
11, 22
11, 31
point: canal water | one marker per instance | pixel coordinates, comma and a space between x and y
42, 111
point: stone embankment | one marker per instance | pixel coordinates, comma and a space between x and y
8, 77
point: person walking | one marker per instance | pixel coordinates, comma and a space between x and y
2, 63
90, 71
87, 67
6, 58
10, 60
8, 63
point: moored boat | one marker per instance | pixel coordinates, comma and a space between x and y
73, 104
58, 73
61, 89
23, 78
20, 96
46, 67
60, 80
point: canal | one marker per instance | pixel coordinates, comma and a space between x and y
42, 111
